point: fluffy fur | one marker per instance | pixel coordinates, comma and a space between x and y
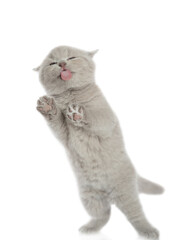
83, 121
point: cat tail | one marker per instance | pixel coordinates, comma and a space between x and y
148, 187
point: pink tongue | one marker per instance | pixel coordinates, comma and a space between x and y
66, 75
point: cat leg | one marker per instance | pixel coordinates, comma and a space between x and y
98, 208
130, 205
48, 108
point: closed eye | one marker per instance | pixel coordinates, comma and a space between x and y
53, 63
71, 58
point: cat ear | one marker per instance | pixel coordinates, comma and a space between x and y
36, 69
92, 53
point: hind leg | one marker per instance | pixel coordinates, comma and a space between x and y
98, 208
130, 205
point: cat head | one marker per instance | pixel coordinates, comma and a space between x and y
66, 68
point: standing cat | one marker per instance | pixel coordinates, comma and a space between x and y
82, 120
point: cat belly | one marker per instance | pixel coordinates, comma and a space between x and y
97, 163
85, 152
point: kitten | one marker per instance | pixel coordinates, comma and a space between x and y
82, 120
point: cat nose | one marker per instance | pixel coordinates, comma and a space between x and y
62, 64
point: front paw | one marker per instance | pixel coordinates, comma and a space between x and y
75, 114
46, 106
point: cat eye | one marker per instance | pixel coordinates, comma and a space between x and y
71, 58
53, 63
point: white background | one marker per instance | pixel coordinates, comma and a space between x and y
138, 71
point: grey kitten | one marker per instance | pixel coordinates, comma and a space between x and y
82, 120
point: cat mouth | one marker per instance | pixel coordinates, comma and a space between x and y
66, 74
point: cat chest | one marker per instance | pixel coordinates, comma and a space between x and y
83, 143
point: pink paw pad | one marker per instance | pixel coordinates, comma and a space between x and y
46, 105
74, 113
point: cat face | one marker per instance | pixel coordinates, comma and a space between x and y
66, 67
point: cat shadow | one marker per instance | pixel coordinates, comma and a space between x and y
101, 236
96, 236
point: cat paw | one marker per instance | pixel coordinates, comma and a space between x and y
75, 114
88, 229
152, 234
46, 105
